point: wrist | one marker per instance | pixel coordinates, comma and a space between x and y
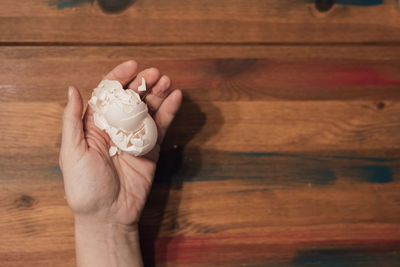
104, 229
106, 244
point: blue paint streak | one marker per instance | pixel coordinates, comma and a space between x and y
61, 4
326, 177
267, 154
249, 191
346, 257
358, 158
359, 2
262, 154
354, 2
259, 170
374, 173
55, 170
322, 169
270, 169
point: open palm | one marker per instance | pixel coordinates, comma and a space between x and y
112, 189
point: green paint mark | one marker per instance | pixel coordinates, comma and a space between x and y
250, 191
55, 170
360, 2
319, 158
61, 4
358, 158
346, 257
373, 173
349, 2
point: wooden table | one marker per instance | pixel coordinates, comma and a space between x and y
285, 152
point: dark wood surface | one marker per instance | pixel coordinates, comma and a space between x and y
283, 154
177, 21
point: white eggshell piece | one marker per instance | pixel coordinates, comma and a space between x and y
113, 150
149, 138
100, 121
142, 87
124, 117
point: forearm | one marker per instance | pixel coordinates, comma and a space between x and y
106, 244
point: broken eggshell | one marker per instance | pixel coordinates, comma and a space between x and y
125, 118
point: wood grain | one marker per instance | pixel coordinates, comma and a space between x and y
232, 126
280, 155
286, 150
217, 74
160, 22
268, 223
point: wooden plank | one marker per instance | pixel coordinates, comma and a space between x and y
41, 166
205, 21
242, 204
211, 73
256, 126
265, 175
262, 219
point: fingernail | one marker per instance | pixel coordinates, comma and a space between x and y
69, 93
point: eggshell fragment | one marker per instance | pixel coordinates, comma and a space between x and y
113, 150
142, 87
124, 117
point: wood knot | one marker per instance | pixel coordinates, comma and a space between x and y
24, 201
324, 5
232, 67
115, 6
380, 105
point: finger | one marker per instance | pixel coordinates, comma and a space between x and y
166, 113
72, 132
158, 93
150, 75
92, 131
88, 122
123, 73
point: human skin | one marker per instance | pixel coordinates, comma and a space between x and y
107, 194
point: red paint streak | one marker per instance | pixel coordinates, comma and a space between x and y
360, 76
331, 74
267, 74
274, 246
187, 250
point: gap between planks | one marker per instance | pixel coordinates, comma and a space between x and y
179, 44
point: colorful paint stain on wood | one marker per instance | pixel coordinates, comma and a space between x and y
286, 151
333, 77
272, 168
359, 2
61, 4
153, 22
348, 257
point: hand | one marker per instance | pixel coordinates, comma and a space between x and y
110, 192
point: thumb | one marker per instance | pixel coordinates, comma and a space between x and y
72, 132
